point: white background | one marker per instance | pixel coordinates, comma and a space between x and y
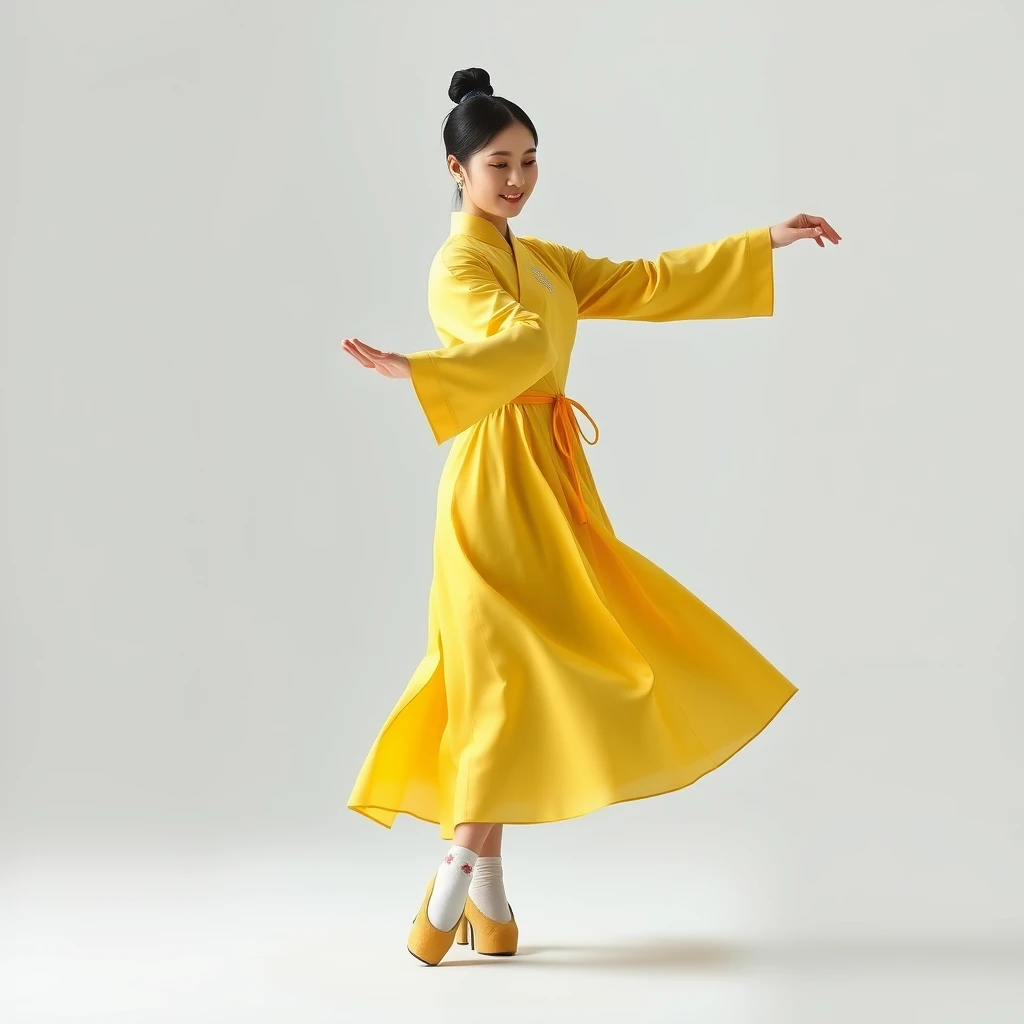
216, 526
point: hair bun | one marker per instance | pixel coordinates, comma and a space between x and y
466, 81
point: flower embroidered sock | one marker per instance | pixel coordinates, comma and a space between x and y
487, 889
451, 884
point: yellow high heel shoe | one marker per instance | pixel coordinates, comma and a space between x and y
484, 934
427, 943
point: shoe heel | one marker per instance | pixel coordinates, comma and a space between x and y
497, 938
461, 937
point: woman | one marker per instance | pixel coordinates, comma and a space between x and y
564, 671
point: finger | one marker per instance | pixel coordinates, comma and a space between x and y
360, 358
380, 357
357, 354
369, 350
826, 229
372, 356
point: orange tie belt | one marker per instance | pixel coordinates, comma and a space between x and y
565, 425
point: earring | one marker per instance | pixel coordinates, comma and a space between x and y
460, 186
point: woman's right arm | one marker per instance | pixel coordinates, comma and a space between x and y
494, 348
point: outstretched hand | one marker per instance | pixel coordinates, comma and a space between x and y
803, 225
389, 364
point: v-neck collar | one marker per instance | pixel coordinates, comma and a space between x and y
481, 228
528, 290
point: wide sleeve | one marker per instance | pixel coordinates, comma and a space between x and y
494, 348
733, 277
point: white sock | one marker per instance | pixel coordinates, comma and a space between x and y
487, 889
451, 884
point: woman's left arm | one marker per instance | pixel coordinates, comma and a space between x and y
733, 277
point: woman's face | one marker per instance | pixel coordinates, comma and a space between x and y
501, 177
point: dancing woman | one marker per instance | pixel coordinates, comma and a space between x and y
564, 671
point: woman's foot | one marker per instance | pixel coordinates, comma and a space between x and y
492, 938
451, 886
427, 943
487, 889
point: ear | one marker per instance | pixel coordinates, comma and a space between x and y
455, 168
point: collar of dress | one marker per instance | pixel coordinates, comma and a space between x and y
480, 228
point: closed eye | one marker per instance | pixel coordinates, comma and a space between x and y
526, 163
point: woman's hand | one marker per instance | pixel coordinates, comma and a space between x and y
390, 364
803, 225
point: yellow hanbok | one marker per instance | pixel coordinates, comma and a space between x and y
564, 671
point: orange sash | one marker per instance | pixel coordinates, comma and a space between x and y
565, 425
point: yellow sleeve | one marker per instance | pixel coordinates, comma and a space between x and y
494, 349
732, 277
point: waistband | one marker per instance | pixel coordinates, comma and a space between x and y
565, 425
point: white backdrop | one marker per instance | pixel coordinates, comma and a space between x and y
216, 527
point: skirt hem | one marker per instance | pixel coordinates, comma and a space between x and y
364, 809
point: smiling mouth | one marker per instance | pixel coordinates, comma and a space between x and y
513, 198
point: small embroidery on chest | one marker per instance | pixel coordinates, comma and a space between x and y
539, 274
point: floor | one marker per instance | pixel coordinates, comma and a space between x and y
311, 935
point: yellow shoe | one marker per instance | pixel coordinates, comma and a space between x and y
426, 942
484, 934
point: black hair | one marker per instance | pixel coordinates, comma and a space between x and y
476, 119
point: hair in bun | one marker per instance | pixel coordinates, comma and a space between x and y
477, 117
467, 81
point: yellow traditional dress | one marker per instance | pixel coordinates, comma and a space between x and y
564, 671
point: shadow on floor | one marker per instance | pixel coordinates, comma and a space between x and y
674, 954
